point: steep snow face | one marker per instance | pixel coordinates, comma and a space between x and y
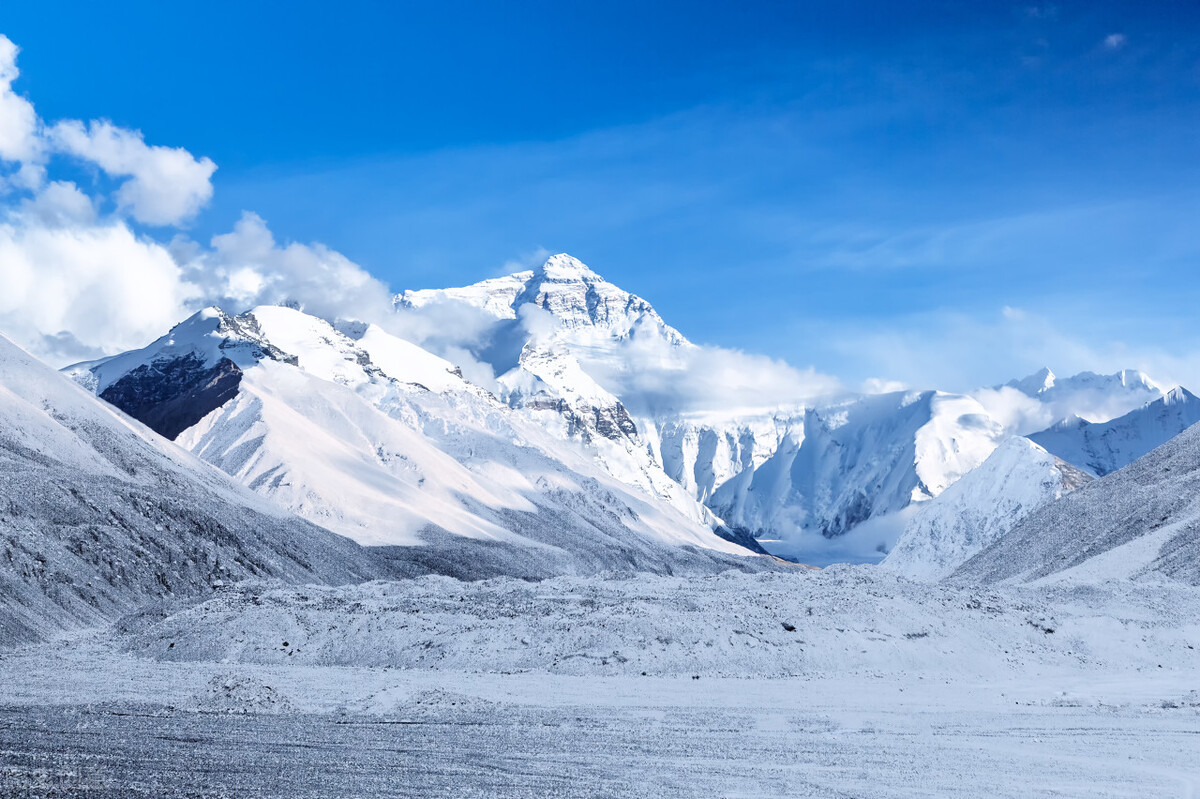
865, 459
100, 515
1142, 521
1017, 479
381, 441
704, 453
1101, 448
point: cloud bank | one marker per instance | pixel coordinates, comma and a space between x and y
82, 278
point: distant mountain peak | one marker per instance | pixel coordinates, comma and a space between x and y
1041, 380
579, 299
1177, 395
1134, 378
1044, 382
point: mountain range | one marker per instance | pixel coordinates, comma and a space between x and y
373, 438
271, 445
526, 413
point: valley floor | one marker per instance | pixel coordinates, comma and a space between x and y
884, 688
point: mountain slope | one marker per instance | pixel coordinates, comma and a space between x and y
374, 438
99, 515
1140, 521
862, 460
1103, 447
568, 339
1015, 480
554, 330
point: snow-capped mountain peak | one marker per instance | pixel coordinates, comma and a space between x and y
1044, 382
564, 267
1104, 447
581, 302
1177, 396
1016, 479
1128, 380
375, 438
1041, 380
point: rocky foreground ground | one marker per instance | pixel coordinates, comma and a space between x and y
845, 682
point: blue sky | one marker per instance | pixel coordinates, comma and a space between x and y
940, 193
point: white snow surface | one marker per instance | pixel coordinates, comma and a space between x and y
1103, 447
864, 459
100, 515
657, 686
403, 451
1015, 480
1141, 522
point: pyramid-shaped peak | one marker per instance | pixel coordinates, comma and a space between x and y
1177, 395
1041, 380
1043, 377
567, 268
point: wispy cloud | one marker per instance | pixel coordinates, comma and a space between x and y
961, 352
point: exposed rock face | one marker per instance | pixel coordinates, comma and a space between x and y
171, 396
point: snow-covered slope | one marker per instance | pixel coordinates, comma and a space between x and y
374, 438
554, 327
1140, 521
99, 515
1017, 479
865, 459
790, 473
704, 452
1103, 447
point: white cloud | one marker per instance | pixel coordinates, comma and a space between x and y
78, 283
652, 376
18, 121
59, 204
79, 288
1017, 412
246, 267
880, 385
1115, 41
961, 352
165, 186
82, 291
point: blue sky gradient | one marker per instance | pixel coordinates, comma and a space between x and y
941, 193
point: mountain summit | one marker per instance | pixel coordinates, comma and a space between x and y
565, 288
